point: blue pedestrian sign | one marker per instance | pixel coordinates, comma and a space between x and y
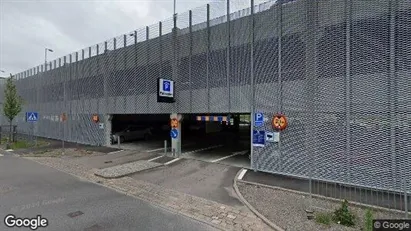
258, 138
258, 119
32, 116
174, 133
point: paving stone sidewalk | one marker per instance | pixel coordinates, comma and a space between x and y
220, 216
126, 169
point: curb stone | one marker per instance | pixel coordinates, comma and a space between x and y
244, 201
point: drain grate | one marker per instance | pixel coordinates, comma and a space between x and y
75, 214
93, 228
107, 162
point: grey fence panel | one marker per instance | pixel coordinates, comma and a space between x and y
183, 64
403, 104
129, 71
330, 159
218, 93
201, 99
167, 57
140, 81
239, 71
154, 67
111, 83
370, 42
344, 63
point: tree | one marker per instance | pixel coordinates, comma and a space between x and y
12, 103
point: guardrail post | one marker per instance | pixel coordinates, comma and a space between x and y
118, 141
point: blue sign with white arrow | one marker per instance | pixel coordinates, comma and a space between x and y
174, 133
32, 116
258, 119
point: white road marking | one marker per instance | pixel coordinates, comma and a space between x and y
9, 150
157, 149
242, 173
1, 154
168, 148
172, 161
116, 152
203, 149
226, 157
155, 158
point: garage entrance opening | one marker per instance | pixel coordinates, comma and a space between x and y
217, 138
143, 132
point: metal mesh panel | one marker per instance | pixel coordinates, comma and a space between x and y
218, 82
402, 106
330, 160
183, 55
370, 40
201, 97
344, 62
239, 71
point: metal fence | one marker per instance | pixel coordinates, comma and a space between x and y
340, 71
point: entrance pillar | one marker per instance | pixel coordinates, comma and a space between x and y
175, 134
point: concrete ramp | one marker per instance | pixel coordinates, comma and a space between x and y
126, 169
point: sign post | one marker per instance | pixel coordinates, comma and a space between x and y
32, 117
63, 119
175, 133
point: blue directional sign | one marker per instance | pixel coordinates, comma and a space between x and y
174, 133
166, 85
258, 138
32, 116
258, 119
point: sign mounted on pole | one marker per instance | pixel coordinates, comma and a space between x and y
258, 119
95, 119
32, 116
165, 91
174, 123
174, 133
279, 122
63, 117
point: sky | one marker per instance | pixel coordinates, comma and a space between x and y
27, 27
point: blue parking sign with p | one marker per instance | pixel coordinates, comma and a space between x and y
166, 85
258, 119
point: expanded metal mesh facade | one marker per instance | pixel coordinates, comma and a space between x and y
340, 70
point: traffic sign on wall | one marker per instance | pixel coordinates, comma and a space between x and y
32, 116
258, 119
165, 91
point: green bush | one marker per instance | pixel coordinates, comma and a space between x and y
323, 218
20, 144
344, 216
368, 220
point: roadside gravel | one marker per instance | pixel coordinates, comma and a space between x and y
287, 209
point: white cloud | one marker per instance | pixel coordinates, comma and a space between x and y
67, 26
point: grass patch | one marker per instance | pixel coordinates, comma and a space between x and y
323, 218
20, 144
23, 144
368, 225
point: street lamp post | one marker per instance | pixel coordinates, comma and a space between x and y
45, 57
